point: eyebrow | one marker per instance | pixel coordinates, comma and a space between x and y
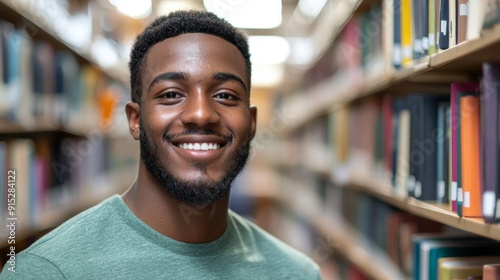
168, 76
219, 76
222, 76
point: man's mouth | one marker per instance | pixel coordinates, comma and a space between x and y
199, 146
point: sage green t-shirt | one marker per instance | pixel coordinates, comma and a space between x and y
109, 242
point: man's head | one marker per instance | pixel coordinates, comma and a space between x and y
175, 24
190, 75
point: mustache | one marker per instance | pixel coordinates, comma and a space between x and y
207, 131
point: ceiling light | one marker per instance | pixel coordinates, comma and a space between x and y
311, 8
267, 75
302, 52
268, 49
254, 14
134, 8
166, 7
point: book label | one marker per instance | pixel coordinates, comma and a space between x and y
444, 27
488, 203
441, 189
454, 191
467, 199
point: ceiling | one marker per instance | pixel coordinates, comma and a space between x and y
307, 37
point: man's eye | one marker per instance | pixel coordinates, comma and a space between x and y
225, 96
170, 94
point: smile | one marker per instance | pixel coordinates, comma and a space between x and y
199, 146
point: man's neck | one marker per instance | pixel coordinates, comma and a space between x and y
179, 221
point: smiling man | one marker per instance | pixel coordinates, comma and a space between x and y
190, 112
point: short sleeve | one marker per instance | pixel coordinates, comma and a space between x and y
29, 266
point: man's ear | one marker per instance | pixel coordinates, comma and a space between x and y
133, 111
253, 124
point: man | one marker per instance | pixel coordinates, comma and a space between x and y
190, 79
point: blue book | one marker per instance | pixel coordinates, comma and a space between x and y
442, 152
432, 251
444, 19
420, 239
425, 27
397, 51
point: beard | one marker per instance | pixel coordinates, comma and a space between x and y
199, 192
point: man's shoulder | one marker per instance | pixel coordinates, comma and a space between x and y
73, 233
272, 248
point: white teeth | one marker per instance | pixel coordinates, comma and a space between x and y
199, 146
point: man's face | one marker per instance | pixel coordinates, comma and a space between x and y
196, 123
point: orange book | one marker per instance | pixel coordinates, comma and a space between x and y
491, 272
471, 182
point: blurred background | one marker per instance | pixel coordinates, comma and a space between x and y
340, 86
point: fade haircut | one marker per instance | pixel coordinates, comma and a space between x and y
175, 24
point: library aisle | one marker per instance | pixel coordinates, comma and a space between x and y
377, 151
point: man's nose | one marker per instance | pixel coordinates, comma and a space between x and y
200, 111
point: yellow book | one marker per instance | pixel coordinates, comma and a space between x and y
406, 31
463, 267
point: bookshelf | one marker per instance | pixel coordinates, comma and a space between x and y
25, 14
69, 163
364, 172
459, 63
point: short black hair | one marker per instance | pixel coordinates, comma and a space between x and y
177, 23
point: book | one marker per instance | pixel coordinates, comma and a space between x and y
456, 184
417, 26
403, 153
475, 18
491, 271
442, 153
419, 239
492, 15
463, 10
426, 15
433, 10
432, 251
423, 145
406, 31
490, 139
444, 20
452, 23
21, 161
462, 267
395, 26
471, 182
388, 138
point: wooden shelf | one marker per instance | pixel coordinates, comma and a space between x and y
345, 241
378, 188
428, 210
9, 129
17, 12
469, 55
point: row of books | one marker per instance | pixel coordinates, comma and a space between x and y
424, 27
53, 173
41, 84
356, 53
446, 257
398, 33
435, 147
421, 248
